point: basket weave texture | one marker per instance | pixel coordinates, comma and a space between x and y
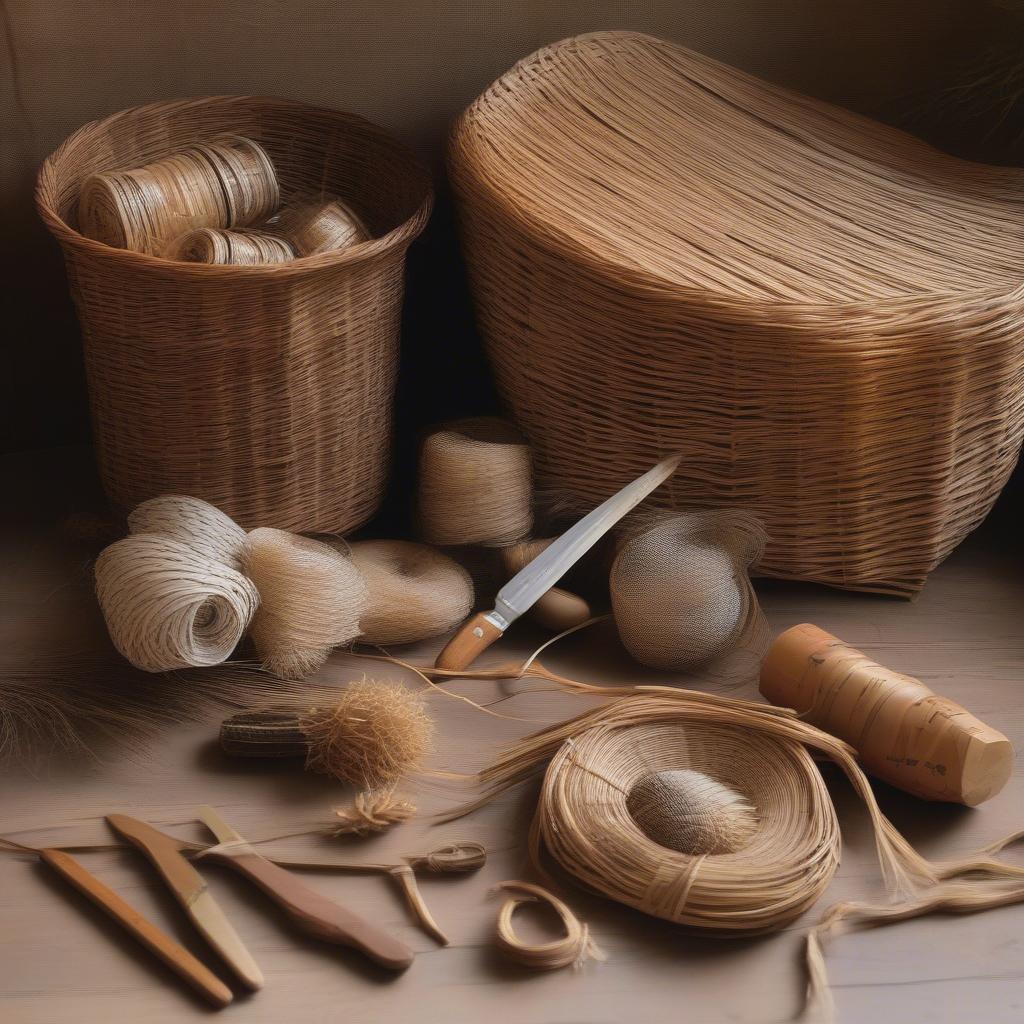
823, 314
265, 390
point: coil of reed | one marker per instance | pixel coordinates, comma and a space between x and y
823, 314
227, 183
241, 248
266, 390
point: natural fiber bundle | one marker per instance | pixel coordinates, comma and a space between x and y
241, 248
193, 522
414, 591
372, 811
475, 484
823, 314
681, 593
574, 948
375, 734
311, 598
168, 606
222, 184
316, 226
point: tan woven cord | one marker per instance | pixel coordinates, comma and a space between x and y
266, 390
243, 248
227, 183
774, 873
574, 948
681, 593
475, 484
821, 313
415, 591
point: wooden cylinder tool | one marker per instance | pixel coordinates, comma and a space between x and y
902, 731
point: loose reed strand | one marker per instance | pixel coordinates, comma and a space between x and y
574, 948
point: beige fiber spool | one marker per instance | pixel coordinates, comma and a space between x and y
414, 591
227, 183
681, 593
240, 248
316, 226
475, 484
169, 606
902, 731
311, 599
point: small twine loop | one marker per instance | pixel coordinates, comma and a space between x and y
575, 947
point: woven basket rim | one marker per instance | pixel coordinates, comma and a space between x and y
398, 238
639, 280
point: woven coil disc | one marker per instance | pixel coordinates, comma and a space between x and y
765, 793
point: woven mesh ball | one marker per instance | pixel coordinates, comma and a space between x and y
681, 594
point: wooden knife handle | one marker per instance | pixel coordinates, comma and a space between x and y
316, 914
468, 644
179, 959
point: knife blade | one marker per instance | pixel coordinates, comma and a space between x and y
538, 576
314, 913
189, 888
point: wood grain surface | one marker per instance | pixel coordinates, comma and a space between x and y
62, 960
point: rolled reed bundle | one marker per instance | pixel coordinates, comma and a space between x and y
311, 598
414, 591
475, 484
169, 606
681, 593
902, 731
774, 871
227, 183
239, 248
316, 226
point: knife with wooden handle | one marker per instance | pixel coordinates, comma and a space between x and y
190, 890
179, 959
539, 576
309, 910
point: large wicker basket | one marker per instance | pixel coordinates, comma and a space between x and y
824, 315
266, 390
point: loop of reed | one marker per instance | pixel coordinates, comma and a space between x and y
194, 522
227, 183
316, 226
169, 606
415, 591
238, 248
575, 947
475, 484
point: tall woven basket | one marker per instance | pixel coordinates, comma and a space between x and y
824, 315
266, 390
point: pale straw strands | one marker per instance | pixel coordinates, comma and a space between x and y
822, 314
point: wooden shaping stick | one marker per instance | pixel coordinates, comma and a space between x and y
902, 731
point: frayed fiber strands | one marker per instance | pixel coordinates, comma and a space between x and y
822, 314
264, 389
770, 865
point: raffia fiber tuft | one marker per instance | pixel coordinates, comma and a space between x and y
822, 314
266, 390
372, 811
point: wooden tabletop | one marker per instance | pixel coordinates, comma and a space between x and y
62, 960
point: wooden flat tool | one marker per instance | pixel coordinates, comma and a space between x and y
314, 913
161, 945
